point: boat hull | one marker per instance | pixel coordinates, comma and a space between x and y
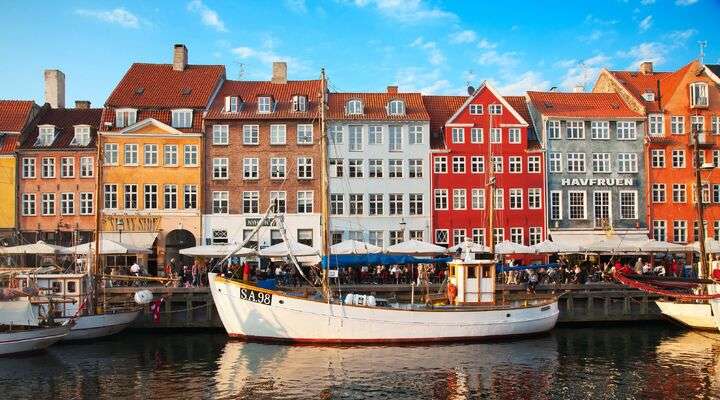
251, 313
97, 326
31, 340
693, 315
715, 303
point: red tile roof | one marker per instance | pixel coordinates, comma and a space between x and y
14, 114
520, 105
374, 106
64, 120
581, 105
281, 93
8, 142
440, 109
159, 86
638, 83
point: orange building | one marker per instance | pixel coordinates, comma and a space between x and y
676, 105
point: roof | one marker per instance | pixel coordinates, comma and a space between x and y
714, 68
520, 105
638, 83
374, 106
64, 120
8, 142
440, 109
281, 93
581, 105
159, 86
14, 114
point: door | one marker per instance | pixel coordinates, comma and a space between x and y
472, 283
487, 284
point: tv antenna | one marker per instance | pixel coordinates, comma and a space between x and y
241, 70
703, 45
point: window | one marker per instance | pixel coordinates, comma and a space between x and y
28, 168
395, 168
478, 236
416, 203
658, 193
476, 109
305, 202
459, 199
515, 165
628, 205
279, 201
299, 103
441, 236
251, 202
498, 235
659, 230
553, 129
130, 191
150, 192
264, 104
699, 94
304, 167
219, 236
170, 155
220, 202
354, 107
251, 134
357, 201
67, 203
182, 118
396, 107
395, 138
458, 236
657, 158
697, 123
477, 164
477, 199
497, 163
415, 168
81, 137
110, 154
576, 162
337, 204
555, 205
516, 199
375, 168
440, 165
220, 134
190, 196
458, 135
375, 238
125, 117
131, 154
251, 168
534, 198
476, 135
415, 134
578, 205
514, 135
575, 130
499, 199
110, 196
715, 124
232, 104
601, 205
648, 96
190, 156
678, 158
335, 134
516, 235
170, 197
278, 133
48, 204
48, 167
150, 154
395, 204
495, 109
458, 165
67, 167
655, 125
601, 163
599, 130
556, 162
375, 203
356, 140
716, 193
495, 135
375, 134
396, 237
304, 134
627, 163
535, 235
441, 199
626, 130
680, 231
278, 168
679, 193
220, 168
355, 168
28, 204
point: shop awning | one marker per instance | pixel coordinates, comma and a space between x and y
598, 241
142, 240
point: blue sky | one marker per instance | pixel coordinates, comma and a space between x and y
432, 46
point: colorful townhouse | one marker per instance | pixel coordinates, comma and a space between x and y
595, 163
480, 141
151, 140
15, 118
263, 153
676, 104
378, 167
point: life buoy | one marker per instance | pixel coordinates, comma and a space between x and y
451, 293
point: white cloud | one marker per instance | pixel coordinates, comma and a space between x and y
265, 56
685, 2
594, 35
646, 23
647, 51
486, 44
118, 16
208, 16
593, 20
581, 72
521, 83
466, 36
647, 2
415, 79
679, 38
435, 56
407, 11
298, 6
492, 57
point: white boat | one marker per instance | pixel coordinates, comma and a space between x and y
693, 315
100, 325
715, 303
21, 331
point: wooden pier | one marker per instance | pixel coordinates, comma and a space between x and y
579, 304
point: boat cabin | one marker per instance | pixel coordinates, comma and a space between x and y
68, 291
474, 280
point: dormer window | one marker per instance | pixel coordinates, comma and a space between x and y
699, 95
232, 104
299, 103
354, 107
649, 96
46, 135
264, 104
82, 136
182, 118
125, 117
396, 107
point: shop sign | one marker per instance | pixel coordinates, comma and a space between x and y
596, 182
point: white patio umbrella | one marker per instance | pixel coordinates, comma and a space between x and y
285, 249
659, 246
35, 248
711, 246
415, 247
469, 246
216, 250
508, 247
354, 247
615, 245
107, 246
549, 247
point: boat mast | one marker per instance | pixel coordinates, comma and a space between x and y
703, 273
324, 188
491, 184
96, 257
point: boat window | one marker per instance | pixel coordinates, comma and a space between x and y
452, 271
472, 272
72, 287
486, 273
56, 287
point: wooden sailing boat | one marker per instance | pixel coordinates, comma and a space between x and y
22, 330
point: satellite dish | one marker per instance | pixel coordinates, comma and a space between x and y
471, 90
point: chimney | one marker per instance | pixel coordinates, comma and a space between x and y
82, 104
578, 88
646, 67
180, 57
55, 88
279, 72
392, 89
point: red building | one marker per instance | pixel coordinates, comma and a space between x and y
470, 136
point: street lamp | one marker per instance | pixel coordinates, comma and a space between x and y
120, 226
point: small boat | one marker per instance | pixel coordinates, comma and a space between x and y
693, 315
100, 325
21, 330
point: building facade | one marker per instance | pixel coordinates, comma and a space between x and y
152, 156
595, 165
486, 131
676, 104
263, 149
378, 146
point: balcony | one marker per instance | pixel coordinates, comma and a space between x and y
706, 140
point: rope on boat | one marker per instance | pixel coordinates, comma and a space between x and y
645, 287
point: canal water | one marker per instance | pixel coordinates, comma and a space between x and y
648, 362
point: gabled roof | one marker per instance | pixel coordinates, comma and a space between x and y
64, 120
486, 85
581, 105
159, 86
150, 122
281, 94
15, 114
638, 83
374, 106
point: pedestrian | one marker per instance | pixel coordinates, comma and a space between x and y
246, 271
674, 268
532, 281
639, 266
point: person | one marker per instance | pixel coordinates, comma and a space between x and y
135, 269
195, 274
647, 268
659, 270
532, 281
639, 266
674, 268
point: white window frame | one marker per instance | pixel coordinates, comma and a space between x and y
584, 205
304, 134
182, 118
221, 135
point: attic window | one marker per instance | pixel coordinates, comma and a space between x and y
232, 103
82, 136
46, 135
648, 96
299, 103
264, 104
185, 91
615, 106
548, 104
354, 107
396, 107
139, 90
